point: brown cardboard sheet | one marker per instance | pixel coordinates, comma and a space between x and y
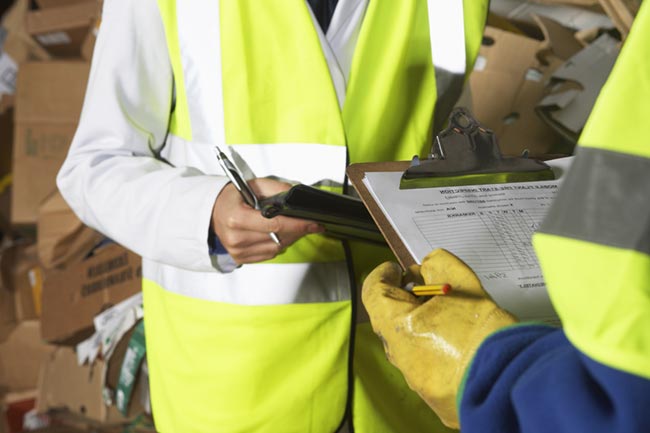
87, 288
62, 239
49, 97
61, 30
506, 84
21, 357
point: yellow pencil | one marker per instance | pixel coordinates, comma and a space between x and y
431, 289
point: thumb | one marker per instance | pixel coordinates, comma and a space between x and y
442, 267
383, 296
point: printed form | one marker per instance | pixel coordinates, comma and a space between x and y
487, 226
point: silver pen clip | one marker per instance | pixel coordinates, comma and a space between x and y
237, 179
241, 184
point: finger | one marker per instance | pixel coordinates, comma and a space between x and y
237, 240
442, 267
255, 253
265, 187
383, 296
292, 227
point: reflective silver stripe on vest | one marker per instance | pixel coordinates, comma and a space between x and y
309, 163
202, 68
257, 284
447, 35
605, 199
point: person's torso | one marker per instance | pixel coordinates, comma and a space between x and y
269, 343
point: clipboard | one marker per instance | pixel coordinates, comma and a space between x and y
356, 172
465, 153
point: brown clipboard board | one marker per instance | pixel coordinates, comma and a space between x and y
356, 172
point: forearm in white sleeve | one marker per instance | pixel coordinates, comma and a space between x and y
110, 177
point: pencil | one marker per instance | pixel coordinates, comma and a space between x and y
431, 289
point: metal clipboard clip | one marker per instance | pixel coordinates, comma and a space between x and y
467, 153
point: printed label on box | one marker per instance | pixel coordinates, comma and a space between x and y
44, 144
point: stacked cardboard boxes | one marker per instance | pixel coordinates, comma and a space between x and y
58, 275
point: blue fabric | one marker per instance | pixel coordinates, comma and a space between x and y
323, 10
531, 379
214, 244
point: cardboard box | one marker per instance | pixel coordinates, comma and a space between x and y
16, 47
62, 30
22, 356
64, 384
80, 389
87, 288
49, 98
18, 44
62, 238
506, 84
88, 45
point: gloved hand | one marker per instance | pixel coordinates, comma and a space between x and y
432, 340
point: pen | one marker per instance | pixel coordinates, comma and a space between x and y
240, 183
429, 289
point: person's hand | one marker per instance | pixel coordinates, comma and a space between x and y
244, 232
431, 341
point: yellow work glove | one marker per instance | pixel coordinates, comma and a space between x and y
432, 340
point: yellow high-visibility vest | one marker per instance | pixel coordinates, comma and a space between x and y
273, 354
594, 245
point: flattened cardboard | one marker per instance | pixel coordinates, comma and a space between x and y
62, 30
64, 383
21, 357
558, 39
49, 98
62, 239
567, 107
506, 84
87, 288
